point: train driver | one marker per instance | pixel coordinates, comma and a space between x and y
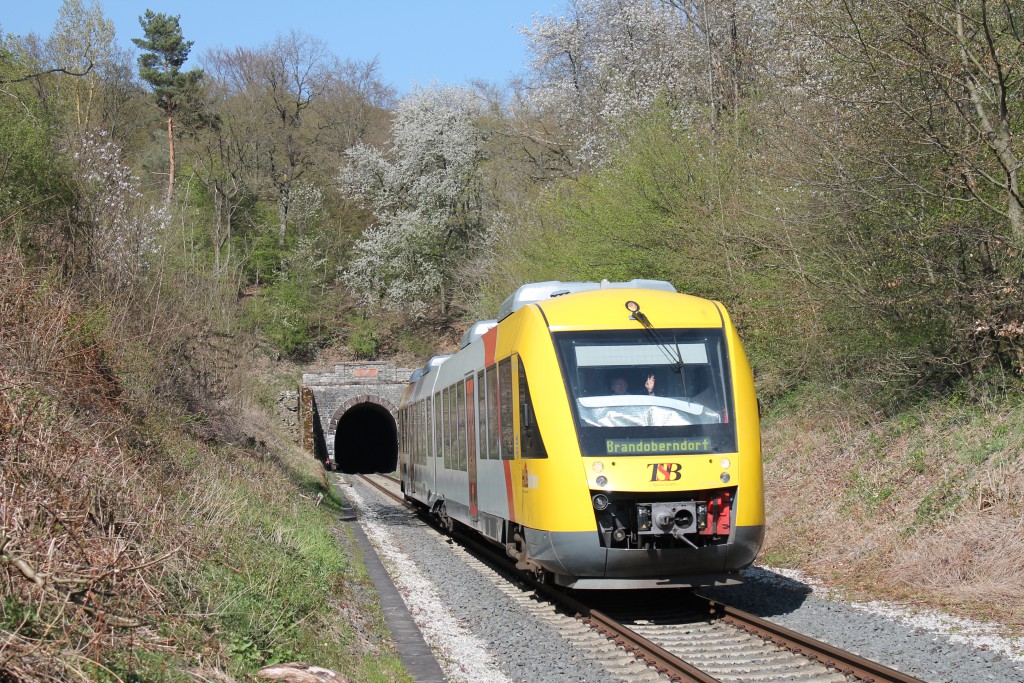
620, 385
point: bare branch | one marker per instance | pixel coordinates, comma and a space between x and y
40, 74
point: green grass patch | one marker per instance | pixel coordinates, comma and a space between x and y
937, 505
863, 489
274, 577
782, 558
275, 596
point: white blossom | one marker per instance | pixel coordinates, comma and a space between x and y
121, 234
606, 61
425, 196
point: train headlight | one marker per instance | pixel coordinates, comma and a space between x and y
598, 466
725, 477
602, 481
600, 501
726, 463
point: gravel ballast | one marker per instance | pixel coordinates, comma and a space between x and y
927, 645
478, 633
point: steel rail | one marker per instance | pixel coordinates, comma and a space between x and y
846, 663
661, 660
665, 662
383, 489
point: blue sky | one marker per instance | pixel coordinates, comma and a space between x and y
416, 41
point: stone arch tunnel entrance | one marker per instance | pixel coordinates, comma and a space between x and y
366, 440
350, 416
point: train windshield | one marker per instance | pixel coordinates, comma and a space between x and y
638, 393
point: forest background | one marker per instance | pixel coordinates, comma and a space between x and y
178, 240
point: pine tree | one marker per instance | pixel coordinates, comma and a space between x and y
160, 65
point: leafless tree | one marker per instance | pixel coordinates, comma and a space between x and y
310, 104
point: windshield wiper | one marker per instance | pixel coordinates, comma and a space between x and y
676, 358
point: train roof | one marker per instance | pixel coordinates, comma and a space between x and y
435, 361
535, 292
428, 367
475, 331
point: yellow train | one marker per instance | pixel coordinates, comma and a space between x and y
605, 433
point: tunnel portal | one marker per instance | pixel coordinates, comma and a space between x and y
348, 414
366, 440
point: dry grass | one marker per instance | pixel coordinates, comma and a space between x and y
134, 549
79, 559
926, 508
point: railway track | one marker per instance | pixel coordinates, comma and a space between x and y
687, 638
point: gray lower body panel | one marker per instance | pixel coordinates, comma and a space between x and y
577, 559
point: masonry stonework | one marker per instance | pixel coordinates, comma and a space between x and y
374, 383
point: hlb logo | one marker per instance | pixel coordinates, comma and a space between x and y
666, 471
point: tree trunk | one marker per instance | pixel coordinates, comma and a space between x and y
170, 149
218, 222
995, 124
282, 214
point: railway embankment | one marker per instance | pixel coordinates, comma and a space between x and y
925, 507
147, 537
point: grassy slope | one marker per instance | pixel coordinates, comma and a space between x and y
926, 507
146, 544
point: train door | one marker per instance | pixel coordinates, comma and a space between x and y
437, 446
403, 450
474, 510
506, 447
529, 446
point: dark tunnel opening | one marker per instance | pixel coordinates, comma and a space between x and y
366, 440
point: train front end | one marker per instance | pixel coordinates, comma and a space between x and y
652, 470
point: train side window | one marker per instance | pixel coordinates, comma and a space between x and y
412, 434
505, 408
481, 414
492, 412
529, 433
450, 427
419, 433
460, 451
402, 443
425, 408
453, 423
447, 428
